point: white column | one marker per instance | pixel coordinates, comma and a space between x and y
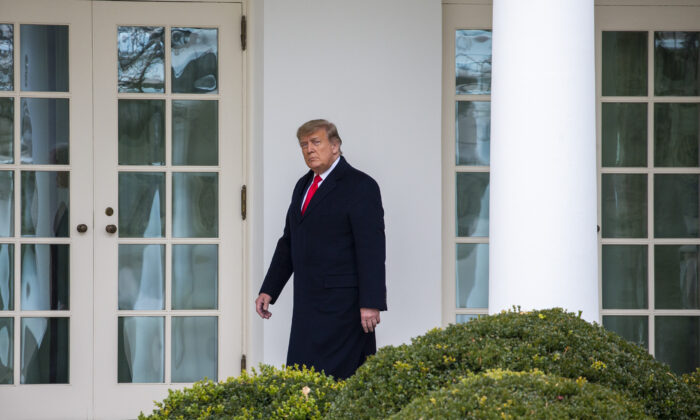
543, 241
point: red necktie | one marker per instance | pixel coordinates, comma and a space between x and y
312, 190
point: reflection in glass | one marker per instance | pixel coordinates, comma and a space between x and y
624, 205
141, 57
141, 204
141, 132
473, 61
7, 277
624, 134
195, 132
473, 132
676, 134
140, 349
473, 204
676, 284
141, 277
676, 206
624, 277
45, 351
194, 60
7, 353
44, 58
45, 277
462, 318
631, 328
678, 342
7, 129
195, 276
472, 275
677, 63
45, 132
7, 204
624, 63
194, 348
45, 203
7, 52
195, 205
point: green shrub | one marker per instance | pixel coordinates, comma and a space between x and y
553, 341
499, 394
289, 393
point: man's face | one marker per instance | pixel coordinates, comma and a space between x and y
319, 152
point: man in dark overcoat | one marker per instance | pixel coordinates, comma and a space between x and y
334, 244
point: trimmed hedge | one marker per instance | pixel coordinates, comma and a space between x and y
498, 394
553, 341
289, 393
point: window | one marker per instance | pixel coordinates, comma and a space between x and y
649, 179
467, 126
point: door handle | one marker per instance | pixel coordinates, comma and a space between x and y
82, 228
111, 229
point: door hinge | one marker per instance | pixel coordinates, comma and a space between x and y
244, 33
244, 199
243, 363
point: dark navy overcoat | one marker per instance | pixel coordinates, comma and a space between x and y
336, 251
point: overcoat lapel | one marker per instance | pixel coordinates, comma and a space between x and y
326, 187
299, 195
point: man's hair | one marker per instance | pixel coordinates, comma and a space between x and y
313, 125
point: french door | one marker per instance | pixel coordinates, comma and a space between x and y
120, 162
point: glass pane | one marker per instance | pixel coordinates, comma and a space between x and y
472, 275
141, 56
462, 318
631, 328
194, 60
624, 134
624, 277
676, 134
45, 203
44, 58
141, 277
678, 342
141, 349
195, 276
677, 63
195, 205
195, 132
7, 52
45, 277
141, 204
624, 63
7, 277
472, 204
473, 61
141, 132
676, 283
7, 129
194, 348
45, 131
7, 353
624, 202
7, 203
473, 132
45, 351
676, 206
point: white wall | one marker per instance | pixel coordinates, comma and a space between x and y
373, 68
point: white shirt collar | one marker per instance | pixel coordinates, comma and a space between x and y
328, 171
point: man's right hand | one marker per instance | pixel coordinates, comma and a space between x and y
261, 305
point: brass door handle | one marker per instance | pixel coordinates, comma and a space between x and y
111, 229
82, 228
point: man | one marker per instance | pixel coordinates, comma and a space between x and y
334, 244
